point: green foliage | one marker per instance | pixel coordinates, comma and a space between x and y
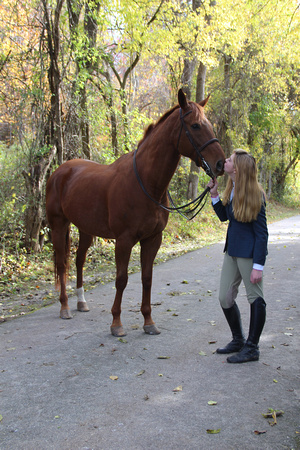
12, 205
124, 72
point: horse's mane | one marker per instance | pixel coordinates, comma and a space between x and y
151, 127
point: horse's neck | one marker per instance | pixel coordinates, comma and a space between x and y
156, 164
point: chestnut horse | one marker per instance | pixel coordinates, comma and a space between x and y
110, 201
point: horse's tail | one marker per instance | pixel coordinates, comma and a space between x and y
66, 261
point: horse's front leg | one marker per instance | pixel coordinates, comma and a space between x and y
85, 241
122, 256
149, 249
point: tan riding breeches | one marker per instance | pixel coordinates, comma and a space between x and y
235, 270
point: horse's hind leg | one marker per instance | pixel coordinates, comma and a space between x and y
149, 249
85, 241
122, 256
61, 245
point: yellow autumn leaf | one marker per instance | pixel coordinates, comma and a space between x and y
113, 377
178, 389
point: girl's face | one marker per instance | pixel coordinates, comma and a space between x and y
229, 166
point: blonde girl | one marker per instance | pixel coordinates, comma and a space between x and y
243, 205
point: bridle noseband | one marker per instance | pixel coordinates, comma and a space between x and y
205, 166
195, 206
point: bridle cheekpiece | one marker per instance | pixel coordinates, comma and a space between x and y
200, 159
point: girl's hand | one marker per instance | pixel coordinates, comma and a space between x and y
256, 276
213, 185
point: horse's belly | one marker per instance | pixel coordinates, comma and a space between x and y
88, 214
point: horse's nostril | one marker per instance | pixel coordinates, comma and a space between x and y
220, 165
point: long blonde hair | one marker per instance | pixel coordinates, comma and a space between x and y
248, 193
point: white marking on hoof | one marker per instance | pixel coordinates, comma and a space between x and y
80, 295
81, 302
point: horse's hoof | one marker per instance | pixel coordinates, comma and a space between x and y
117, 331
82, 306
66, 314
151, 329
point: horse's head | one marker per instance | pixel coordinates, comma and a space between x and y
199, 142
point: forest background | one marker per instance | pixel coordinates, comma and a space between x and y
84, 79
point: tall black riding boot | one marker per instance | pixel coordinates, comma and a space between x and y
233, 318
250, 350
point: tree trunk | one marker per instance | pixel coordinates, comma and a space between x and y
200, 87
187, 76
35, 180
53, 39
35, 176
193, 182
225, 122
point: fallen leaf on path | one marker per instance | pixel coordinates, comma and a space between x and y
213, 431
163, 357
269, 414
202, 353
212, 403
273, 414
259, 432
114, 377
178, 389
140, 373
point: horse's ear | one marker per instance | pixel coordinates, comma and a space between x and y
204, 102
182, 99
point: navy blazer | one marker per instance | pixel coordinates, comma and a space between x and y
245, 239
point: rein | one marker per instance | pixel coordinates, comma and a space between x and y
195, 206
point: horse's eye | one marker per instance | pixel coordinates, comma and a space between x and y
196, 126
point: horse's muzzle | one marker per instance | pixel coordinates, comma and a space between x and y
220, 167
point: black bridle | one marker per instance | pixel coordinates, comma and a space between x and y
195, 206
203, 163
